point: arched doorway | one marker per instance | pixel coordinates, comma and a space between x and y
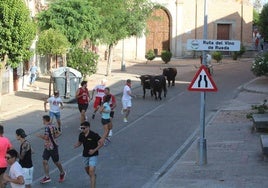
158, 38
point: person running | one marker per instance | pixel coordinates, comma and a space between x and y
98, 97
15, 176
83, 98
126, 100
5, 145
25, 157
105, 111
91, 143
55, 104
50, 150
33, 75
112, 103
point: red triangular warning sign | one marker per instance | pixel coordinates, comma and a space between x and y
202, 81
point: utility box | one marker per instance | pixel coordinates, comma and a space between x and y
66, 80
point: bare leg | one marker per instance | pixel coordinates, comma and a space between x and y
59, 123
83, 116
46, 168
58, 164
92, 176
127, 111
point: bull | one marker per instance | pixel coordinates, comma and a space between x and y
170, 74
158, 84
145, 82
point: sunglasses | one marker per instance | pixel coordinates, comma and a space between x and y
7, 158
82, 128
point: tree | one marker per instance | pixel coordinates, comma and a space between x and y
17, 31
257, 5
52, 42
263, 22
76, 19
122, 19
82, 60
256, 17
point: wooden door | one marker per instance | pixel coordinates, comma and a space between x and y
158, 38
223, 33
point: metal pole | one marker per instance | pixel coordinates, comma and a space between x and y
242, 19
202, 141
123, 66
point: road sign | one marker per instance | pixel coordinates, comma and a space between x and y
202, 81
213, 45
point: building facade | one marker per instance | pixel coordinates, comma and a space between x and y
180, 20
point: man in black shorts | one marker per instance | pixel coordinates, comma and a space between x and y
51, 150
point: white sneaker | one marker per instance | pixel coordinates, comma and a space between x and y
110, 133
125, 120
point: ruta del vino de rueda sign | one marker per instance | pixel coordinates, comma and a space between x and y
213, 45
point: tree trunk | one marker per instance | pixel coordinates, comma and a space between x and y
110, 60
15, 79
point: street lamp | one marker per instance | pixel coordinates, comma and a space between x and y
123, 65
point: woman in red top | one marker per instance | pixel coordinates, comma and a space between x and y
82, 96
5, 145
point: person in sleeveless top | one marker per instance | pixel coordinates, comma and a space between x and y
25, 157
83, 98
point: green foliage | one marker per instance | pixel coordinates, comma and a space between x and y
76, 19
258, 109
52, 42
263, 22
83, 61
237, 54
17, 31
260, 64
217, 56
166, 56
150, 55
256, 17
122, 19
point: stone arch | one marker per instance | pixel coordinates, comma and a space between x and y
158, 38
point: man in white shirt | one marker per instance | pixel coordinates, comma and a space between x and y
55, 104
15, 176
126, 100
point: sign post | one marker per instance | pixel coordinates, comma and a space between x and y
202, 80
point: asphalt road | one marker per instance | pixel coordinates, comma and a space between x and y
158, 132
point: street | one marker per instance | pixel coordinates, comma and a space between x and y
158, 132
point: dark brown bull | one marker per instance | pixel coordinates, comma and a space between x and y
170, 74
158, 84
145, 82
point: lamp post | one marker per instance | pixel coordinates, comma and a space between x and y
123, 65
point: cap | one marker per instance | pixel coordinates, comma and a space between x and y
103, 81
85, 123
21, 133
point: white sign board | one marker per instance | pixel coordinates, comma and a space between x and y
213, 45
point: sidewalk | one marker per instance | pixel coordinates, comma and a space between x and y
234, 157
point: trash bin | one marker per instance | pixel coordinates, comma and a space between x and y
66, 80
